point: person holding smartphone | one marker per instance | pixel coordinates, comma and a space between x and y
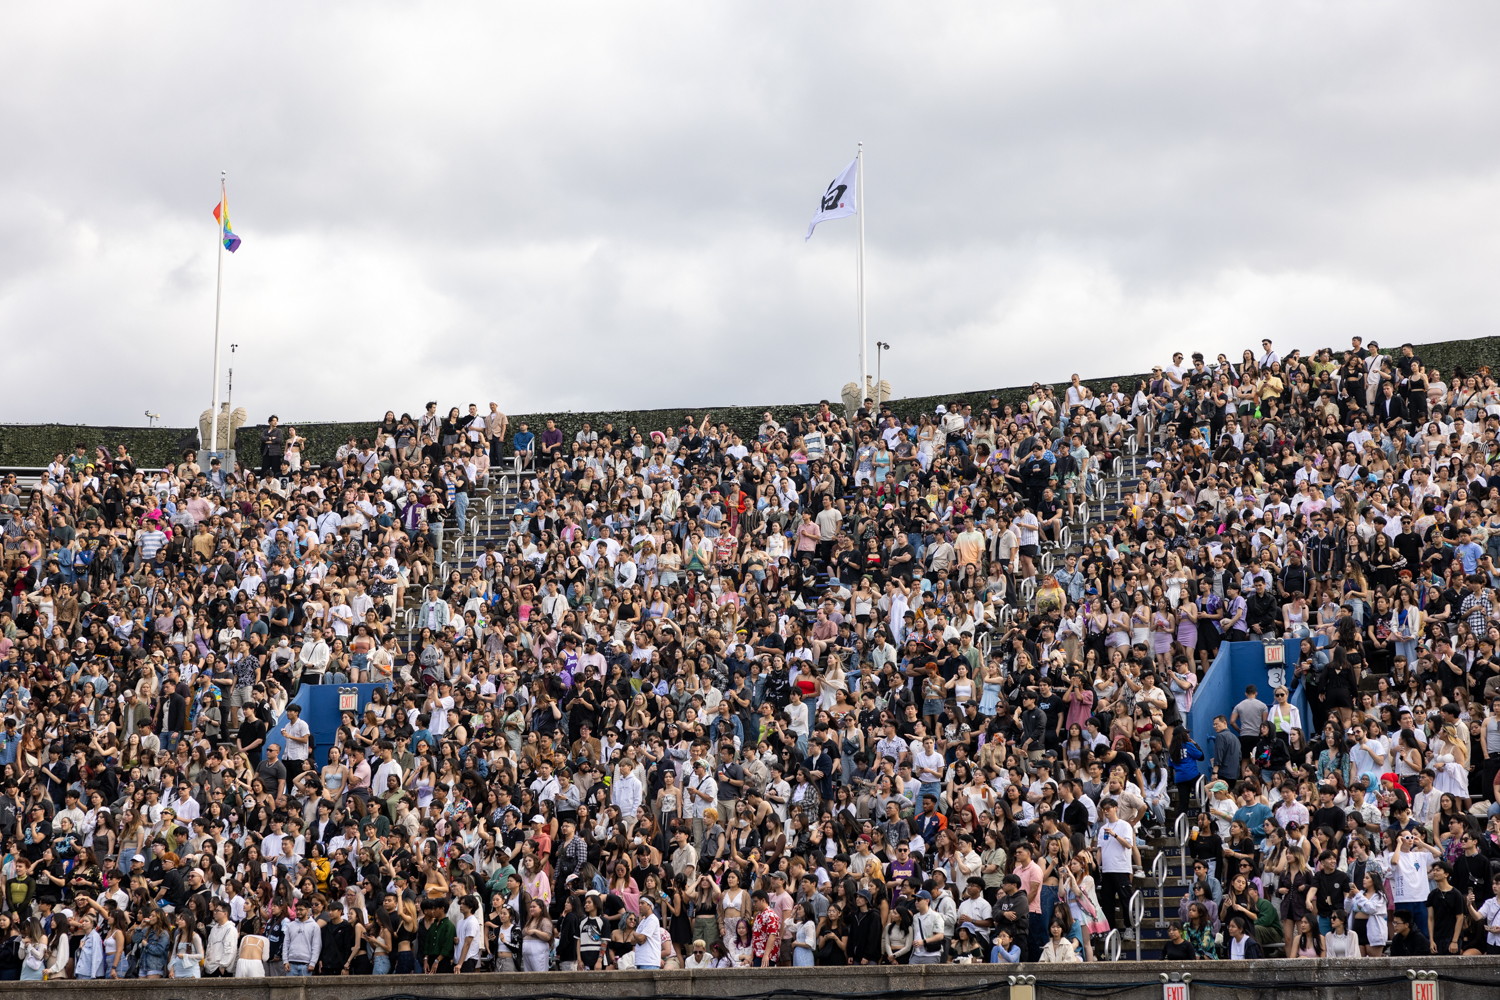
1116, 841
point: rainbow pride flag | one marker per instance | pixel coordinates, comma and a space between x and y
221, 215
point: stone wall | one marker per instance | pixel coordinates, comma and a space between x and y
1334, 979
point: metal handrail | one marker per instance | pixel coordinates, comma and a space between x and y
1180, 830
1112, 945
1159, 872
1200, 791
1137, 914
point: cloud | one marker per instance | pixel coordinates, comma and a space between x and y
594, 206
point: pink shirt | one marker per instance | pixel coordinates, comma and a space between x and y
1030, 876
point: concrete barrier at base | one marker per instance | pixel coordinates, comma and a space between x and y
1299, 979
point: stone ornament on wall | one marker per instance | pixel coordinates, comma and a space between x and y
852, 396
229, 423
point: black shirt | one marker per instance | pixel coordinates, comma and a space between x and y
1446, 907
1332, 887
1329, 816
338, 941
1410, 945
1472, 874
176, 714
250, 731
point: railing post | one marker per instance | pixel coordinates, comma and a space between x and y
1137, 914
1159, 870
1181, 831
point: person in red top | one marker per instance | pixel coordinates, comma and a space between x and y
765, 933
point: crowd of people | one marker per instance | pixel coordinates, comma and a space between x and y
857, 688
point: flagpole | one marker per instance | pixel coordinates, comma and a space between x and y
859, 208
213, 413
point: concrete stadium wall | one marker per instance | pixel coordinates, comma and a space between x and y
1333, 979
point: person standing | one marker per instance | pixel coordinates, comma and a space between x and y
302, 941
271, 448
298, 741
765, 932
647, 937
1116, 841
469, 938
221, 952
927, 932
1246, 718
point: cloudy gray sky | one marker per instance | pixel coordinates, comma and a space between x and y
594, 206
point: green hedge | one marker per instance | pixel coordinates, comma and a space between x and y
36, 444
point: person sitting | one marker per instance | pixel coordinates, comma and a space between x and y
1241, 943
1407, 941
1059, 947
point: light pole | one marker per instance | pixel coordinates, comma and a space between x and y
880, 348
230, 400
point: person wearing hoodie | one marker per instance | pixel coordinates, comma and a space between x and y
302, 943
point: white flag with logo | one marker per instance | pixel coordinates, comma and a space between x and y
838, 201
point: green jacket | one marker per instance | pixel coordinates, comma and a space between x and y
439, 942
1266, 916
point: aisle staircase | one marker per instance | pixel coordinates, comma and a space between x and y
488, 521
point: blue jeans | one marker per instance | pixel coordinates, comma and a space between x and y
1325, 925
296, 968
381, 965
757, 963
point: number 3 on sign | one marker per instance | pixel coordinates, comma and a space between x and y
1176, 991
1424, 989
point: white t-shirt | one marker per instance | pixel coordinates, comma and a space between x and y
1409, 873
295, 750
1490, 912
1115, 856
925, 925
1027, 524
468, 927
922, 763
974, 909
649, 952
